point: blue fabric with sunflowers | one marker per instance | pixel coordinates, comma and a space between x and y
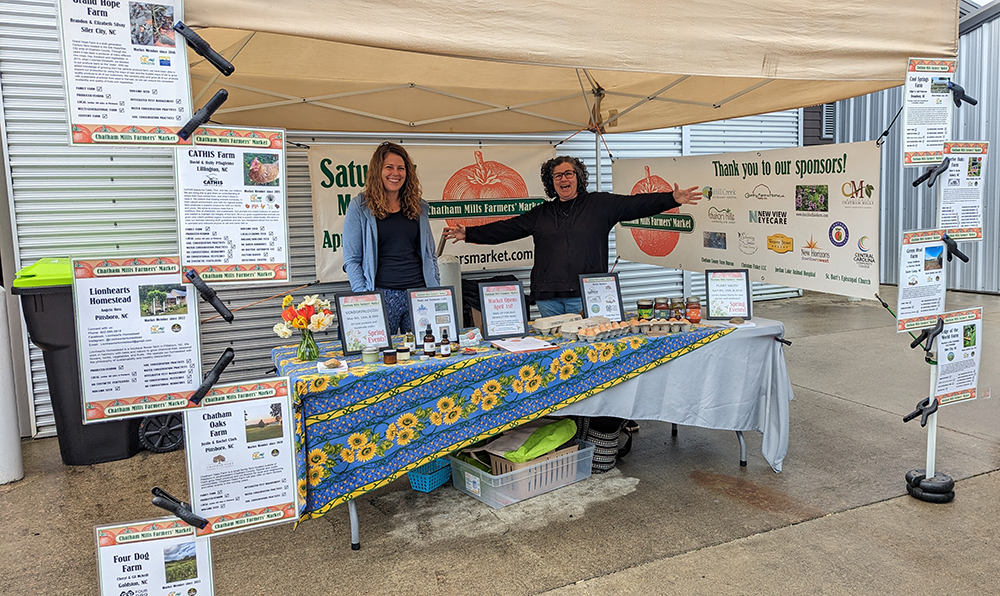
360, 430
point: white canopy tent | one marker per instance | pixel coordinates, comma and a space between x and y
517, 66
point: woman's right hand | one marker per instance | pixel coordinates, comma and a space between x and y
455, 234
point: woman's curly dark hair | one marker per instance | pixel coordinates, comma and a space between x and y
581, 175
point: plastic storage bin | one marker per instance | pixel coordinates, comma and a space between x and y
46, 295
430, 475
535, 478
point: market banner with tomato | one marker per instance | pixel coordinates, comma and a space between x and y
464, 185
805, 217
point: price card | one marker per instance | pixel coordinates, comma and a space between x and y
363, 321
602, 296
505, 313
728, 293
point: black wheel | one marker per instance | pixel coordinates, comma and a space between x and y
163, 433
626, 446
927, 497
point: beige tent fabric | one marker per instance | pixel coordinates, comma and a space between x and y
523, 66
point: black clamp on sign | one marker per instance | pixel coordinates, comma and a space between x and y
953, 249
213, 376
782, 340
932, 172
925, 408
209, 294
958, 94
201, 47
203, 114
165, 500
929, 335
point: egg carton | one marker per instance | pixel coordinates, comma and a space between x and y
553, 325
618, 330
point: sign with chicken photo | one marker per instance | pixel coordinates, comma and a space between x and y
470, 186
231, 205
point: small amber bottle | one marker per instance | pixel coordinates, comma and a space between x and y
429, 343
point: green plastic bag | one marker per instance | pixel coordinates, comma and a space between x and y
544, 440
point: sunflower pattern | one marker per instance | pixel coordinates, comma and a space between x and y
363, 429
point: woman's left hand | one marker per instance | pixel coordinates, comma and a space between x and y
686, 196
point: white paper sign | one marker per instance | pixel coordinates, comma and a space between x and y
241, 457
602, 296
503, 310
927, 111
232, 212
137, 333
922, 282
728, 294
363, 321
126, 71
961, 207
434, 307
160, 557
959, 348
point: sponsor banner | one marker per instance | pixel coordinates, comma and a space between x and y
231, 206
464, 185
126, 72
927, 112
922, 280
156, 557
805, 217
959, 349
960, 209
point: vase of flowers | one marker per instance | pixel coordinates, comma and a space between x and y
309, 316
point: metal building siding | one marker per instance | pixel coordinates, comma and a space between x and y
904, 207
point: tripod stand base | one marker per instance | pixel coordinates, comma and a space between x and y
936, 489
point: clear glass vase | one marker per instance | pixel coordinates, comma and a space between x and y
308, 350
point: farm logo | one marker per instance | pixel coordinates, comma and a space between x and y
723, 216
212, 180
773, 218
147, 61
780, 243
839, 234
156, 329
176, 327
164, 60
811, 252
748, 243
864, 259
218, 459
256, 455
763, 192
857, 194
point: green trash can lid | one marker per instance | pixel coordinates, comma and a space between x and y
46, 272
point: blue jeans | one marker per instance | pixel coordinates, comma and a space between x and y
559, 306
398, 309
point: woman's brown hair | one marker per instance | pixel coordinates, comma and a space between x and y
409, 194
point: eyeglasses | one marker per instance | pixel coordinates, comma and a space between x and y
564, 175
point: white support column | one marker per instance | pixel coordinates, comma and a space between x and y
11, 462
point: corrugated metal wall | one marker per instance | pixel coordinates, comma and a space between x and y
107, 201
905, 208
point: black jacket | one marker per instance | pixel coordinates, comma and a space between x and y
571, 237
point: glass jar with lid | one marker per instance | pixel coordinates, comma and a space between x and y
677, 308
693, 308
661, 308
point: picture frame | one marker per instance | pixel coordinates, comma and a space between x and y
504, 310
363, 321
434, 306
727, 294
602, 296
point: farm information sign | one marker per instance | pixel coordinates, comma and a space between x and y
959, 349
153, 558
927, 111
126, 71
137, 336
960, 210
805, 217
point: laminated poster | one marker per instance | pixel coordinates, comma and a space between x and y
241, 457
922, 281
160, 557
728, 294
960, 210
126, 71
434, 307
927, 110
504, 311
231, 205
137, 334
959, 349
363, 321
602, 296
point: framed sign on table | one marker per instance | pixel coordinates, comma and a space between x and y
602, 296
435, 307
363, 321
505, 313
728, 294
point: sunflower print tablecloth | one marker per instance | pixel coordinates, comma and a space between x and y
360, 430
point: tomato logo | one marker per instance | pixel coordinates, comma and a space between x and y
80, 134
483, 180
655, 243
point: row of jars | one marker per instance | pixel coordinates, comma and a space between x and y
670, 308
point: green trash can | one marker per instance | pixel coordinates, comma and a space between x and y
46, 293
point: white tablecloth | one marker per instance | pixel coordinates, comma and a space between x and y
739, 382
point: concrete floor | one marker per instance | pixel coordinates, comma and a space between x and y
678, 515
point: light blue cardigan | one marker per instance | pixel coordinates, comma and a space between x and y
361, 246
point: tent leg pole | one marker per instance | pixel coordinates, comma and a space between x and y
597, 160
743, 449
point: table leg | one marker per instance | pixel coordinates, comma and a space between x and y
352, 511
743, 449
673, 429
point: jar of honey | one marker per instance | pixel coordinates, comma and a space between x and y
661, 308
693, 308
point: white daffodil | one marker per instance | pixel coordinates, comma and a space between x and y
320, 322
311, 301
283, 330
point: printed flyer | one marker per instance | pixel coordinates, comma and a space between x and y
434, 307
960, 209
241, 457
232, 212
602, 296
805, 217
959, 349
137, 336
728, 294
922, 282
927, 111
126, 71
363, 321
160, 557
503, 310
470, 186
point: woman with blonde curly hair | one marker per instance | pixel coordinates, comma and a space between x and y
388, 244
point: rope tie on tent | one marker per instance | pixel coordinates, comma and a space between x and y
885, 133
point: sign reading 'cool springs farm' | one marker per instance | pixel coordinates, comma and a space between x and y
804, 217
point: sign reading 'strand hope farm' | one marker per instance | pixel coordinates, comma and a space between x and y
804, 217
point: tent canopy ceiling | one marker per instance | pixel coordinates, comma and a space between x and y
522, 66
